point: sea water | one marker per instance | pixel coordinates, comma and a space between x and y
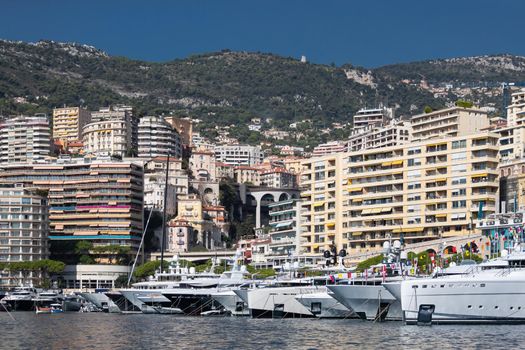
140, 331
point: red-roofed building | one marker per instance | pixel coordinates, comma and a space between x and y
278, 178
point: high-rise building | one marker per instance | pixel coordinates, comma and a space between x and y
25, 139
157, 138
368, 117
239, 154
449, 122
330, 148
285, 229
112, 131
68, 123
418, 191
100, 202
512, 140
394, 133
24, 229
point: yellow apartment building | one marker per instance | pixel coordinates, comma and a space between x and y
418, 191
68, 123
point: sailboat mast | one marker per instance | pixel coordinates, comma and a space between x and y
164, 219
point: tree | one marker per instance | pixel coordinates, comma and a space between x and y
428, 109
148, 269
464, 104
227, 194
365, 264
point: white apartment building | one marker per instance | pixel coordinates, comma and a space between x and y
24, 230
113, 130
25, 139
396, 132
154, 185
156, 138
68, 123
239, 154
285, 229
108, 137
375, 116
449, 122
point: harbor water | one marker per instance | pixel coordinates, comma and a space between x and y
139, 331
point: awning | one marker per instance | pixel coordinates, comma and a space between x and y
413, 229
397, 162
357, 200
441, 215
366, 211
480, 175
442, 179
354, 189
406, 230
375, 211
386, 210
318, 204
437, 144
284, 224
386, 164
357, 233
330, 224
349, 182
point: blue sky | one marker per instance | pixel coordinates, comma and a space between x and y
366, 33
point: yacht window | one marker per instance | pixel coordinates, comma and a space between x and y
481, 306
315, 308
512, 307
482, 285
442, 286
496, 307
470, 306
424, 286
519, 307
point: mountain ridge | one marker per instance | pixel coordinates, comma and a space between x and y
231, 87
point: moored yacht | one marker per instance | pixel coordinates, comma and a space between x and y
21, 299
278, 300
491, 292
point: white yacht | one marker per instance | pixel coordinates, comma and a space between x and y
279, 300
491, 292
324, 305
20, 299
147, 297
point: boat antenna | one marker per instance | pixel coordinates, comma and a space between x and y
164, 215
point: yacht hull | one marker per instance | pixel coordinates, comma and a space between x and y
471, 299
232, 303
279, 302
370, 302
323, 305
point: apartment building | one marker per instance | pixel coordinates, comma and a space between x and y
202, 164
68, 123
329, 148
25, 139
239, 154
285, 229
418, 191
177, 176
154, 187
24, 229
100, 202
204, 231
278, 178
449, 122
396, 132
374, 116
112, 131
512, 139
247, 174
156, 138
180, 236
